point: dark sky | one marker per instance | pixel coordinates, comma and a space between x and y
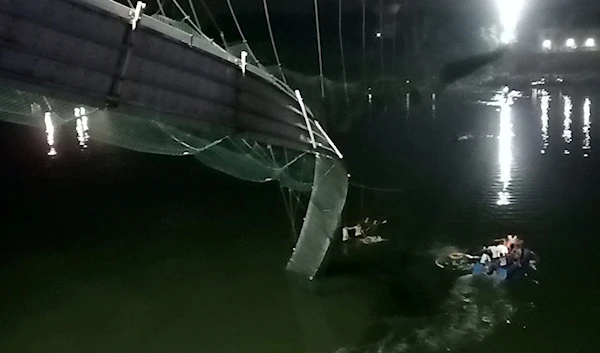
289, 6
219, 7
304, 6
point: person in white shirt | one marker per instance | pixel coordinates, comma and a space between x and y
498, 251
358, 232
503, 250
485, 258
509, 241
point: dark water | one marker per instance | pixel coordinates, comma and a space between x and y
106, 250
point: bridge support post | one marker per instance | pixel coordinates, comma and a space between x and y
244, 62
308, 126
112, 98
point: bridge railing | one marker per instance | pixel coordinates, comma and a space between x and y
192, 38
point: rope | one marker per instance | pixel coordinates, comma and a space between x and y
237, 24
342, 53
273, 41
214, 22
130, 4
195, 15
319, 48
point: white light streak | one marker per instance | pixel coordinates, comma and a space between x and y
50, 133
505, 153
81, 126
545, 107
567, 112
587, 125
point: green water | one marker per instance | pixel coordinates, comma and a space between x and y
106, 250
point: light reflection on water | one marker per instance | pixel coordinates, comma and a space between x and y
505, 153
50, 133
587, 126
545, 107
567, 112
82, 127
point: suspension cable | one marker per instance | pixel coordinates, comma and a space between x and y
319, 48
186, 17
195, 14
342, 53
381, 42
364, 40
273, 41
160, 8
212, 18
237, 24
394, 56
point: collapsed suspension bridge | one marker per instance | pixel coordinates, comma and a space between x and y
155, 85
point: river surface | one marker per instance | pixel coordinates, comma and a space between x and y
108, 250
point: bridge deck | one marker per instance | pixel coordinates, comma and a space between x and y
86, 52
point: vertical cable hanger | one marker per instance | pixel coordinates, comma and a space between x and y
319, 48
381, 42
273, 41
342, 53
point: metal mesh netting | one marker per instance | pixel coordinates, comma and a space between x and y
238, 157
26, 108
327, 201
296, 171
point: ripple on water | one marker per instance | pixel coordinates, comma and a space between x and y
474, 308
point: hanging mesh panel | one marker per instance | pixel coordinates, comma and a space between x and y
251, 161
328, 197
26, 108
241, 158
142, 135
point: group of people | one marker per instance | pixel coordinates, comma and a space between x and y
504, 256
366, 231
